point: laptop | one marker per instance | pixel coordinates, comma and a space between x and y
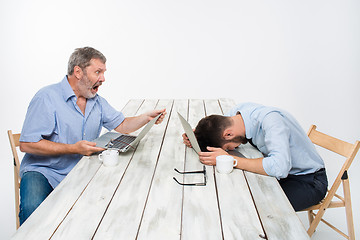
123, 142
194, 143
190, 134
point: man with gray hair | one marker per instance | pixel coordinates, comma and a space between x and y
61, 121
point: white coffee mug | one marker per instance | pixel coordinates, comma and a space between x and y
109, 157
225, 163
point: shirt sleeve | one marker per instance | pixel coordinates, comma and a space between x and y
277, 163
110, 117
39, 121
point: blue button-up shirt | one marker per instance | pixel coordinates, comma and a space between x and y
54, 115
285, 145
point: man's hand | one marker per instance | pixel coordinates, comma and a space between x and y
46, 147
86, 148
152, 114
186, 140
209, 158
131, 124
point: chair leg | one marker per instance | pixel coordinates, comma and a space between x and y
310, 216
348, 209
315, 222
313, 225
17, 199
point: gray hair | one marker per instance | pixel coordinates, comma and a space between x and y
82, 56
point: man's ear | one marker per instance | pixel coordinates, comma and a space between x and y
78, 73
228, 134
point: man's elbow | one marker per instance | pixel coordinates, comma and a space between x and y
282, 175
24, 146
277, 172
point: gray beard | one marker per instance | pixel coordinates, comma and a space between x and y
85, 87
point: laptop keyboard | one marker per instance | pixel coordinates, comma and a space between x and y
121, 141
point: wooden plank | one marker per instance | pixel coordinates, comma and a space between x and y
93, 202
226, 104
238, 212
126, 208
47, 217
50, 214
201, 218
132, 106
162, 215
277, 215
278, 218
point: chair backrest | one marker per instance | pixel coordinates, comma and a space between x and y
343, 148
14, 143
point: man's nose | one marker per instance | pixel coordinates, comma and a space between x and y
102, 78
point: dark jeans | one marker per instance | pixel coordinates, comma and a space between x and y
304, 191
34, 188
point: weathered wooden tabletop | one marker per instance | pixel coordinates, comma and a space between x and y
138, 199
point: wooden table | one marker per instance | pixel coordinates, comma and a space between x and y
138, 199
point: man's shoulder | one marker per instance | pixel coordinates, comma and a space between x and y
49, 92
245, 107
51, 88
255, 111
248, 105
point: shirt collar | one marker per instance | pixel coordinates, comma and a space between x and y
66, 88
247, 122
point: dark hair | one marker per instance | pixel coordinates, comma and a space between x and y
82, 56
209, 131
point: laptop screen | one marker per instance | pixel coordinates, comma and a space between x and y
190, 133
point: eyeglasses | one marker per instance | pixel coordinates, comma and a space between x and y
192, 172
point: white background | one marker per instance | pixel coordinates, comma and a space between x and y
302, 56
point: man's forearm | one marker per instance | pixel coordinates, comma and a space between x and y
46, 147
251, 165
131, 124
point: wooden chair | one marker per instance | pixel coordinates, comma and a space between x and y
14, 143
349, 151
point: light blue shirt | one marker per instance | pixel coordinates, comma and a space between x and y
54, 115
284, 144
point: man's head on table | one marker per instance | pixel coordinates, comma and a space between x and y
86, 70
287, 153
220, 132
